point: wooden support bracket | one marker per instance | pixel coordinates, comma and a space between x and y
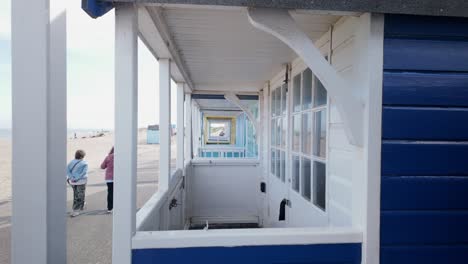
232, 97
279, 23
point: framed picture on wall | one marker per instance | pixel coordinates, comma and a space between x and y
219, 130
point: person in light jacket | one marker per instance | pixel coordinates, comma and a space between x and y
77, 177
108, 164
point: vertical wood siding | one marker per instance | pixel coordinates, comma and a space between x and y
342, 156
424, 192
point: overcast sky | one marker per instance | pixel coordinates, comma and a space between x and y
90, 71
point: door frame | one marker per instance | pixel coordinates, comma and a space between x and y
296, 198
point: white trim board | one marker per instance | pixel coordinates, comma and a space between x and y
245, 237
372, 138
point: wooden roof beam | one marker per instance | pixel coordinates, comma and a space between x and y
155, 33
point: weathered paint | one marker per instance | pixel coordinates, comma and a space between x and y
312, 254
424, 205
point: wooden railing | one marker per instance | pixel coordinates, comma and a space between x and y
164, 208
221, 152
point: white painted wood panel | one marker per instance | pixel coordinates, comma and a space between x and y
339, 191
344, 29
342, 157
246, 237
224, 190
342, 161
340, 141
338, 215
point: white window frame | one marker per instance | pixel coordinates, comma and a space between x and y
298, 68
273, 117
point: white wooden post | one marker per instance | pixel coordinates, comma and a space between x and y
57, 134
39, 132
372, 30
188, 126
164, 123
180, 126
196, 129
126, 29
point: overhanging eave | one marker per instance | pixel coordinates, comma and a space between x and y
458, 8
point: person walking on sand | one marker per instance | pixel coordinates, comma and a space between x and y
108, 164
77, 177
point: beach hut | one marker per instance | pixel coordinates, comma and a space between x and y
152, 134
357, 118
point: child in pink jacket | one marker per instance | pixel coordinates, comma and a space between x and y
108, 164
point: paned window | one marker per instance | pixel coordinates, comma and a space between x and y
278, 123
309, 138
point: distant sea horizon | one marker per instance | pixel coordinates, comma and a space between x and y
5, 133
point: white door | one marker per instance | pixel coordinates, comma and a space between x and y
308, 129
278, 123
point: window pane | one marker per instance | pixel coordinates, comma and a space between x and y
272, 161
278, 101
283, 131
319, 184
297, 93
283, 166
295, 173
305, 178
273, 103
278, 132
320, 94
307, 133
320, 134
307, 89
296, 132
277, 169
273, 130
283, 98
219, 130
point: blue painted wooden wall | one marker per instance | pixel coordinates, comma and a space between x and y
294, 254
424, 198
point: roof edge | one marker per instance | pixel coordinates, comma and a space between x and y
456, 8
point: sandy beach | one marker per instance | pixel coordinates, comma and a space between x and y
5, 170
96, 150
